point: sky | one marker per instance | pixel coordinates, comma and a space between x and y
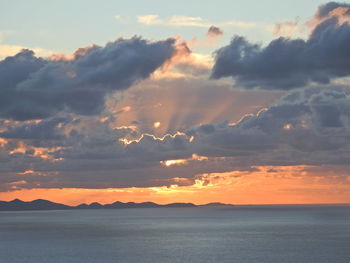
242, 102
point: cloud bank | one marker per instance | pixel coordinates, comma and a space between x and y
290, 63
36, 88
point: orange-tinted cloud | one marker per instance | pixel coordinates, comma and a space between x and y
332, 9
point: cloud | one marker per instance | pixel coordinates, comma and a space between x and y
190, 65
88, 151
35, 88
331, 8
149, 20
190, 21
288, 63
214, 31
172, 21
187, 21
311, 120
305, 127
43, 130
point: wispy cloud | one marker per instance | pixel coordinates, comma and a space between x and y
149, 20
190, 21
173, 21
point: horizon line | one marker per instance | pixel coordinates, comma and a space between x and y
176, 202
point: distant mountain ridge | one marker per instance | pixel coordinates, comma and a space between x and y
41, 204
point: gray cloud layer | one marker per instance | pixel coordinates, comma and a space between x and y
306, 127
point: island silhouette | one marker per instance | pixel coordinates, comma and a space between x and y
41, 204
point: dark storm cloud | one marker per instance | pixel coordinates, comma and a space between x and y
288, 63
36, 88
214, 31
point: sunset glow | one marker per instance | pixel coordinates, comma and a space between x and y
188, 131
269, 185
243, 108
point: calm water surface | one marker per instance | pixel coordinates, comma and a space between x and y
241, 234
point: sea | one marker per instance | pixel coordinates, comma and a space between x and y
242, 234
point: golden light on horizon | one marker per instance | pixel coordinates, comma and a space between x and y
266, 185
